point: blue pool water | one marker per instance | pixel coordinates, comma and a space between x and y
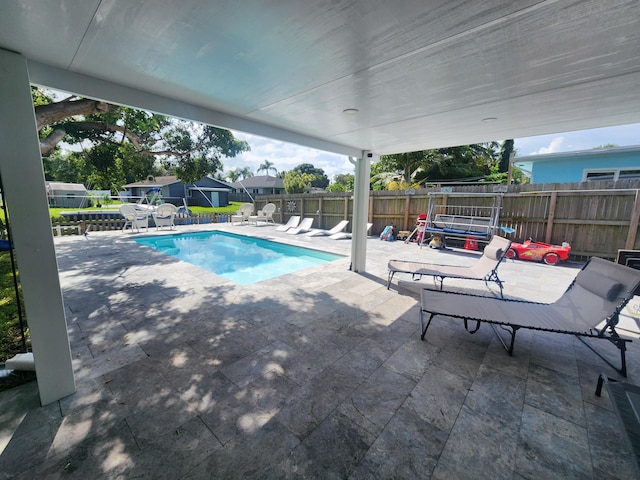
243, 260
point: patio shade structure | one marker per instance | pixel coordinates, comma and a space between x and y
358, 78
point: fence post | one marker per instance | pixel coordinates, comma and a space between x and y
346, 206
371, 214
407, 206
633, 226
550, 216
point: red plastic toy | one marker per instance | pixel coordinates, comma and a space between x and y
539, 252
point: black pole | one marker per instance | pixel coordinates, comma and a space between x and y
13, 267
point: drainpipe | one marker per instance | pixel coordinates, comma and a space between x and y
360, 211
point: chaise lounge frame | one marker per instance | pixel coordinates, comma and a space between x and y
486, 268
595, 297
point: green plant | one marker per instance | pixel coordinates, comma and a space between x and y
10, 334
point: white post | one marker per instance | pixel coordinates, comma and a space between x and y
25, 194
360, 211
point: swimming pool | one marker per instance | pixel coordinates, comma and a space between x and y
243, 260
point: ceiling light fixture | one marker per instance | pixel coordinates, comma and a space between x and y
489, 119
350, 111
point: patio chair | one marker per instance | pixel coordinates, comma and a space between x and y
589, 308
486, 268
337, 229
343, 235
265, 214
164, 215
134, 218
625, 398
305, 226
293, 222
242, 214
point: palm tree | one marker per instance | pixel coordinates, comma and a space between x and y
266, 166
232, 175
244, 172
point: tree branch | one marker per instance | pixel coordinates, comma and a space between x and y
58, 111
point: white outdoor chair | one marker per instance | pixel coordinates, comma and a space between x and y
337, 229
134, 218
164, 215
293, 222
243, 214
266, 214
305, 226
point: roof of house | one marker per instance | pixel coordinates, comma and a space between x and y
154, 181
259, 181
578, 154
65, 186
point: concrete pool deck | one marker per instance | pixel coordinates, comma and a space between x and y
315, 374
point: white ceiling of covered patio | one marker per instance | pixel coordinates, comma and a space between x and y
421, 74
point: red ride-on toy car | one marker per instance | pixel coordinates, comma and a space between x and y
539, 252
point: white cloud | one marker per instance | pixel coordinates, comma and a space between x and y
286, 156
622, 135
554, 146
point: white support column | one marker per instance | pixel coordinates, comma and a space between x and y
360, 211
25, 194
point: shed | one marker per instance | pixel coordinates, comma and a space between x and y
67, 195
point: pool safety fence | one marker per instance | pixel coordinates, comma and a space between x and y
98, 222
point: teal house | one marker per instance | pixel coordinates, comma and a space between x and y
617, 163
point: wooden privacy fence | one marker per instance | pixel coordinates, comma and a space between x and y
596, 218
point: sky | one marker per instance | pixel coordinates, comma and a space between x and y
285, 156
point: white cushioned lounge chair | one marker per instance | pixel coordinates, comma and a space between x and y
337, 229
343, 235
589, 308
293, 222
486, 268
305, 226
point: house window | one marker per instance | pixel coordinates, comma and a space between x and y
600, 175
628, 174
617, 174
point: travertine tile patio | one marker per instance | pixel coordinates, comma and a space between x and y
316, 374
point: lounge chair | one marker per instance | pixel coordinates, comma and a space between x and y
164, 215
625, 398
265, 214
305, 226
293, 222
337, 229
589, 308
134, 218
242, 214
486, 268
342, 235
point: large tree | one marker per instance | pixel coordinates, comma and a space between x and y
114, 138
417, 168
319, 178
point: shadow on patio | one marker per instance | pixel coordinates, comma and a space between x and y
317, 374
